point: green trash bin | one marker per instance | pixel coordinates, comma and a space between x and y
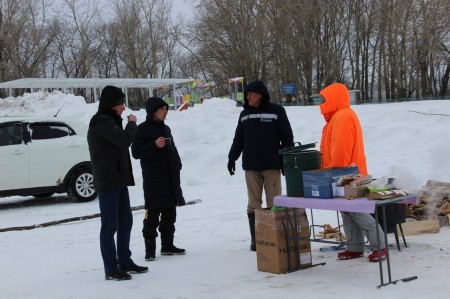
295, 160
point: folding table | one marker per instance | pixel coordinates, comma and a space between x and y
358, 205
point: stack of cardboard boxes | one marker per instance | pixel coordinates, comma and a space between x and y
322, 183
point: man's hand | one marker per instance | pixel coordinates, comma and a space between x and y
231, 167
160, 142
132, 117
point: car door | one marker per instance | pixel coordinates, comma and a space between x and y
54, 150
14, 157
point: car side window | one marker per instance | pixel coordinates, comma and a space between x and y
49, 131
10, 135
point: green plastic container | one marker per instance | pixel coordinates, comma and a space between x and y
295, 160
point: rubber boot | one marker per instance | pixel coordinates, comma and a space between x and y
167, 247
251, 222
150, 248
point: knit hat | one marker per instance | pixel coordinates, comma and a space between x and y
111, 96
260, 88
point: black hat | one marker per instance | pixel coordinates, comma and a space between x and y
257, 87
111, 96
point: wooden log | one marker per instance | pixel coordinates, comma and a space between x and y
433, 184
445, 208
420, 227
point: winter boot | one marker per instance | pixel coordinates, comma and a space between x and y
167, 247
133, 268
150, 248
251, 222
117, 275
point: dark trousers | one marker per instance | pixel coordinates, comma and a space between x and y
116, 216
163, 219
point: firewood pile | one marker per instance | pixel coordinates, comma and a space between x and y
330, 232
433, 203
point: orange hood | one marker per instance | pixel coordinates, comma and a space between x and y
336, 97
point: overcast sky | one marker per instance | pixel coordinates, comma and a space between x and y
179, 7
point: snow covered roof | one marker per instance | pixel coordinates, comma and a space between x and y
90, 82
69, 83
39, 83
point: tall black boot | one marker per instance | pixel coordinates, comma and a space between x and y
150, 248
167, 247
251, 222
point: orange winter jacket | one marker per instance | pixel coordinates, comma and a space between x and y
342, 139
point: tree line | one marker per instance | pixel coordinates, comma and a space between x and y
386, 49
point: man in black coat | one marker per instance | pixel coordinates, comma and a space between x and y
161, 166
111, 165
263, 129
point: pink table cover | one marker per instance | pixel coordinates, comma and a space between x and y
359, 205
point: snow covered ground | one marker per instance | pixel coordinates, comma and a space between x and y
409, 141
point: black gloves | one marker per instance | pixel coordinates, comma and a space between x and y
231, 167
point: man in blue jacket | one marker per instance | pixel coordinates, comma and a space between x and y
263, 129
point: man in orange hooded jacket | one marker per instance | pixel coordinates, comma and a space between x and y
342, 145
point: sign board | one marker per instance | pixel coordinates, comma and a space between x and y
288, 89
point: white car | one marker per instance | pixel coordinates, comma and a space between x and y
40, 156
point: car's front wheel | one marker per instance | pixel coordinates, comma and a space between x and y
81, 186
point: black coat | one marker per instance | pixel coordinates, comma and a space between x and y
261, 132
160, 166
108, 148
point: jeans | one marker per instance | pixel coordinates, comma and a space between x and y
116, 216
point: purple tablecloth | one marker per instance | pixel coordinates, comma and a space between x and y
360, 205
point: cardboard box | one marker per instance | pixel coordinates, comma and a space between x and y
271, 241
355, 192
319, 183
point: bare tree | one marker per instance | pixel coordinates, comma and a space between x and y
26, 35
388, 49
2, 47
108, 64
142, 28
363, 42
78, 42
430, 27
233, 39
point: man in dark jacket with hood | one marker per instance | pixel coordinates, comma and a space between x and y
263, 129
111, 165
161, 166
